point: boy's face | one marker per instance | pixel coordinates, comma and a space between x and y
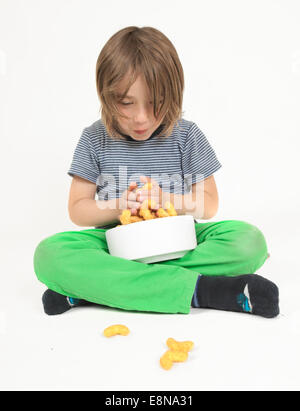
137, 106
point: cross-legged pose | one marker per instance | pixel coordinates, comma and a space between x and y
142, 137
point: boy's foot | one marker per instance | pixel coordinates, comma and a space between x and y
55, 303
248, 293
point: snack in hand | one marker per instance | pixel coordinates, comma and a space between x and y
147, 211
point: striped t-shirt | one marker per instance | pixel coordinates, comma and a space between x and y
175, 162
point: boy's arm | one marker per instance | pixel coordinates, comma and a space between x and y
201, 202
85, 211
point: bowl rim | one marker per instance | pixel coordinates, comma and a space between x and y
160, 219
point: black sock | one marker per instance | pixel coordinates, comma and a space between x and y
248, 293
55, 303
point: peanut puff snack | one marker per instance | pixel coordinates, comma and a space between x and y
148, 210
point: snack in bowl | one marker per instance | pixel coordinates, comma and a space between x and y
147, 210
156, 238
152, 240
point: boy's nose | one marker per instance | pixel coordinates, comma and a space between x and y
141, 116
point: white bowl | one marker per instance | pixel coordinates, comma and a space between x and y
154, 240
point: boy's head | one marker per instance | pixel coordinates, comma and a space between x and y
141, 63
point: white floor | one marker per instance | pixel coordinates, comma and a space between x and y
232, 351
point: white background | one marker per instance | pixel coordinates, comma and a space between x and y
241, 61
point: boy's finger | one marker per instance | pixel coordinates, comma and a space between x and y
132, 186
133, 204
131, 196
155, 207
145, 179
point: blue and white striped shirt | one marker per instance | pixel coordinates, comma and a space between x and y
175, 162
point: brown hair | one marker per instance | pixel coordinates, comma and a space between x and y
145, 51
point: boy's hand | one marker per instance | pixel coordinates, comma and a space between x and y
133, 200
155, 194
128, 199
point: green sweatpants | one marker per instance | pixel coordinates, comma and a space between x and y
77, 264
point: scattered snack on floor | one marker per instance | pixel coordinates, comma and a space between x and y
178, 352
148, 210
115, 330
179, 346
165, 361
170, 356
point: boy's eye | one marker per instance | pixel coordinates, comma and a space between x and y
127, 104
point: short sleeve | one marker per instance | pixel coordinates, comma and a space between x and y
85, 163
199, 160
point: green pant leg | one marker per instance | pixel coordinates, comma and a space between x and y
77, 264
229, 247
